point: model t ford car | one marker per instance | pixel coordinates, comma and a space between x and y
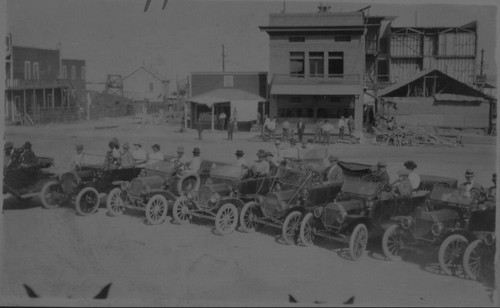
357, 212
449, 219
84, 186
24, 182
154, 190
222, 196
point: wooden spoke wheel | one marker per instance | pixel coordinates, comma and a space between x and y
52, 195
291, 227
247, 217
451, 253
226, 219
392, 242
114, 202
156, 209
87, 201
306, 231
358, 241
181, 210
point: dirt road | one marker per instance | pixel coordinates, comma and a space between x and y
61, 254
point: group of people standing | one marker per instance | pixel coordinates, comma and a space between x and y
121, 157
323, 130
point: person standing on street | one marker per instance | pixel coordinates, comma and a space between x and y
222, 120
318, 136
341, 125
286, 129
326, 130
230, 129
301, 127
350, 125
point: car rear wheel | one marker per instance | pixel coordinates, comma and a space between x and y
247, 217
306, 232
358, 241
87, 201
51, 195
226, 219
156, 209
291, 226
392, 242
181, 210
451, 253
114, 202
472, 260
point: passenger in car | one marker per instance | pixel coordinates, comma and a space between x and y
402, 186
469, 183
334, 173
261, 165
413, 176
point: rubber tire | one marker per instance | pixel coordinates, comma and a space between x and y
306, 235
249, 206
387, 239
284, 230
46, 204
358, 236
178, 208
162, 202
470, 255
443, 248
78, 201
113, 196
227, 211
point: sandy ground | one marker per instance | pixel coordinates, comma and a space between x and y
62, 255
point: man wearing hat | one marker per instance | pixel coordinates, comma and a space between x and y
261, 165
413, 176
469, 183
8, 150
240, 160
140, 155
79, 159
380, 174
334, 173
195, 163
402, 186
28, 157
127, 159
181, 158
156, 155
293, 152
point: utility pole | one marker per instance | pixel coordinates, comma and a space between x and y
223, 59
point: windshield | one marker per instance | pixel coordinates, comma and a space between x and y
360, 188
450, 195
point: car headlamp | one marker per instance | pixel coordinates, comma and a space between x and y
318, 212
489, 239
125, 185
214, 198
437, 228
190, 195
341, 216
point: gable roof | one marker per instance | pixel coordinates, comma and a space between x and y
146, 70
450, 86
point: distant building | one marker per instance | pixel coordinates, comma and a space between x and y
38, 86
239, 95
317, 65
144, 84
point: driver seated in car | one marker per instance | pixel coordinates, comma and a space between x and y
181, 158
261, 165
469, 184
492, 191
402, 187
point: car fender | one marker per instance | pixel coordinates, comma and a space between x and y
470, 236
239, 204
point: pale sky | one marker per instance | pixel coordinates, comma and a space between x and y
117, 36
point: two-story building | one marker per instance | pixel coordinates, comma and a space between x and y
317, 64
40, 84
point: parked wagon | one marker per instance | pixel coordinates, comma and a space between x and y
25, 182
357, 213
449, 220
83, 187
154, 190
222, 196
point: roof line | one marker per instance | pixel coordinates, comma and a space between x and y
147, 71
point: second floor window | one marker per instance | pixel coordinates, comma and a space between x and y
297, 64
64, 72
316, 64
73, 72
82, 72
336, 64
36, 71
27, 70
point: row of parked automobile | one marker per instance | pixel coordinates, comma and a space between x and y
295, 199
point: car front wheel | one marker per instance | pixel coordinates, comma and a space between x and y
87, 201
291, 227
393, 242
51, 195
226, 219
306, 231
451, 253
358, 241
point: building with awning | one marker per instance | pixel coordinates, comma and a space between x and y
316, 65
240, 96
432, 98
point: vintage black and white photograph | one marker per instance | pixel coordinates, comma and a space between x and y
249, 153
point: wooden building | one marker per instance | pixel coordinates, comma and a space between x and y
144, 84
316, 66
38, 88
433, 98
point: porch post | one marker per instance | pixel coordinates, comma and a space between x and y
53, 98
24, 101
213, 111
